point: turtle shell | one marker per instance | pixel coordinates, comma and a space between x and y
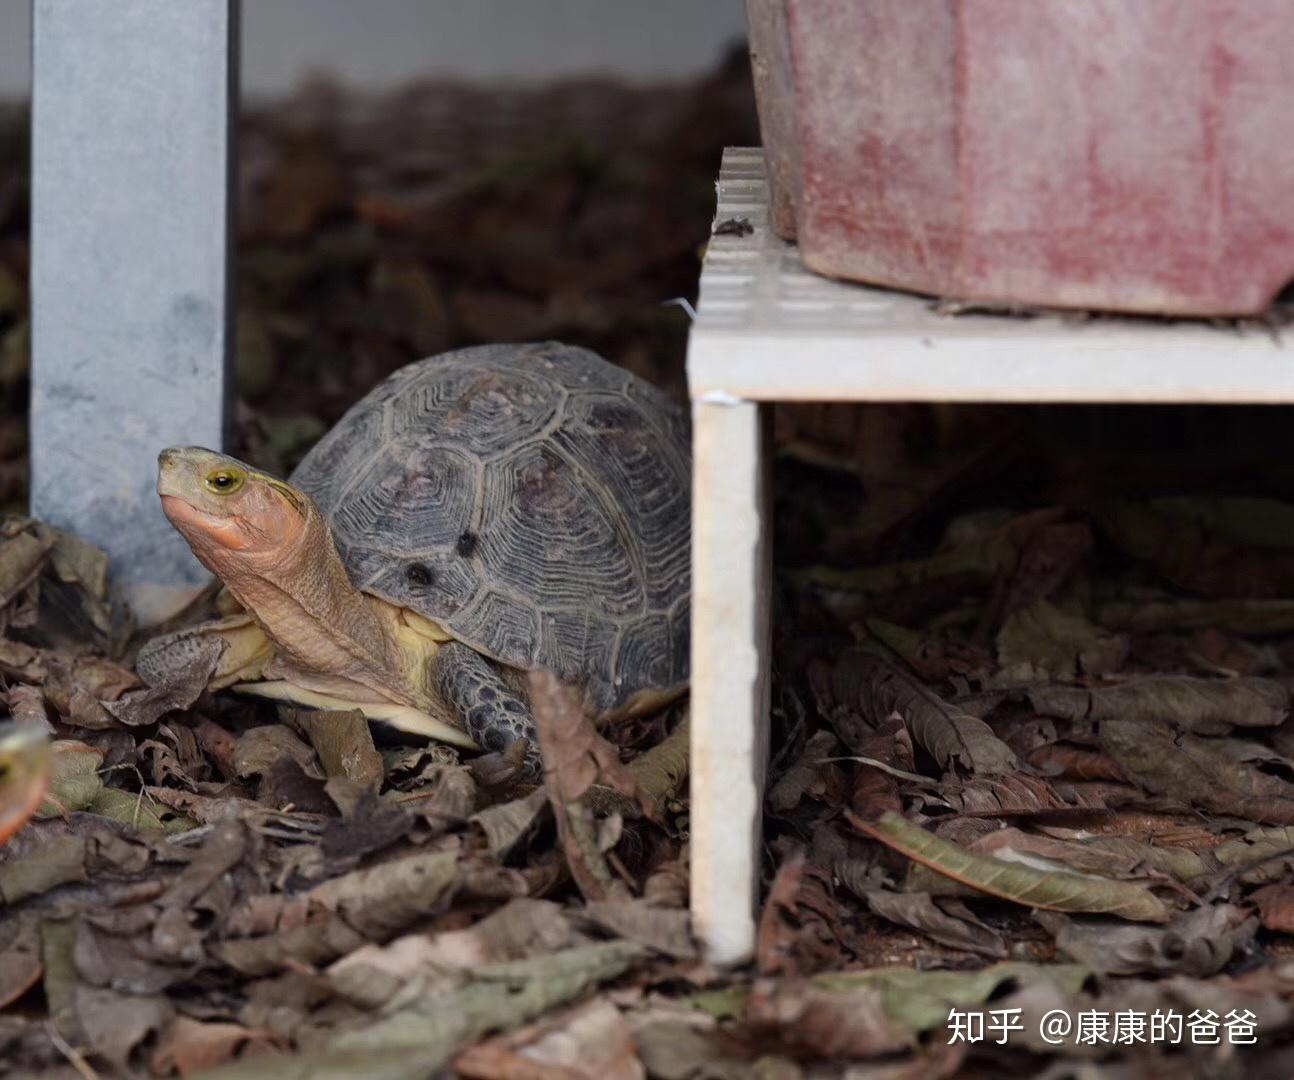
533, 499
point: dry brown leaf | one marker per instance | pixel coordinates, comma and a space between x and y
114, 1023
575, 758
591, 1042
802, 777
1198, 943
1275, 907
1203, 706
1042, 642
805, 1020
666, 930
259, 749
1195, 770
1075, 762
802, 927
955, 739
876, 790
1051, 889
345, 747
21, 966
919, 911
187, 1046
505, 825
575, 755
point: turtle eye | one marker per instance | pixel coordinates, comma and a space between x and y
224, 481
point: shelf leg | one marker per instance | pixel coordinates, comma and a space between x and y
132, 211
731, 585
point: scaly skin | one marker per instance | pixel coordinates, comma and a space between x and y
329, 644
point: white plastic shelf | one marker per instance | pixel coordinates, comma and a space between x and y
769, 330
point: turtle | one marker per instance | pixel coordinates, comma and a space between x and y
478, 515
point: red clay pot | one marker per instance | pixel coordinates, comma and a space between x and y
1133, 155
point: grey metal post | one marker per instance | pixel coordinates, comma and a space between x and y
132, 211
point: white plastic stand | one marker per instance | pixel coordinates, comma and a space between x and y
768, 330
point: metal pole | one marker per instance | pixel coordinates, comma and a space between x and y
132, 211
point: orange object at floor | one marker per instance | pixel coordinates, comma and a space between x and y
1078, 153
24, 775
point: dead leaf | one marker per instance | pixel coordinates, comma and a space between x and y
22, 557
1203, 706
1043, 642
802, 777
955, 739
1054, 889
664, 930
505, 825
809, 1021
58, 861
575, 757
258, 750
74, 780
521, 929
1275, 907
1199, 943
188, 1046
114, 1023
802, 927
920, 912
344, 744
20, 959
1196, 771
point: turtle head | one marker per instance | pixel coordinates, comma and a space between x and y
227, 510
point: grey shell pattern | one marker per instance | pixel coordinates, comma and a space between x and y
534, 500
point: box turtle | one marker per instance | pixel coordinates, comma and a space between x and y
479, 514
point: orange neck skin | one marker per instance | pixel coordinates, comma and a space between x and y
281, 565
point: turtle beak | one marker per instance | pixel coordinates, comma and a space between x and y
168, 471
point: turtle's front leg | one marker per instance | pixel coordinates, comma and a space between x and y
249, 652
491, 711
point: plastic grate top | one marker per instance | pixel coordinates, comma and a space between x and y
769, 329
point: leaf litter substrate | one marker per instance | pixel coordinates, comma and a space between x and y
1031, 696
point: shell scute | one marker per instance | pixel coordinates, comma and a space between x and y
570, 479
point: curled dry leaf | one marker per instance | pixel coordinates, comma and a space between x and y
1203, 706
575, 757
920, 912
664, 930
505, 825
372, 903
114, 1023
1195, 771
1199, 943
21, 967
187, 1046
345, 747
1275, 907
955, 739
802, 777
1041, 641
1055, 890
592, 1042
804, 1019
802, 927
